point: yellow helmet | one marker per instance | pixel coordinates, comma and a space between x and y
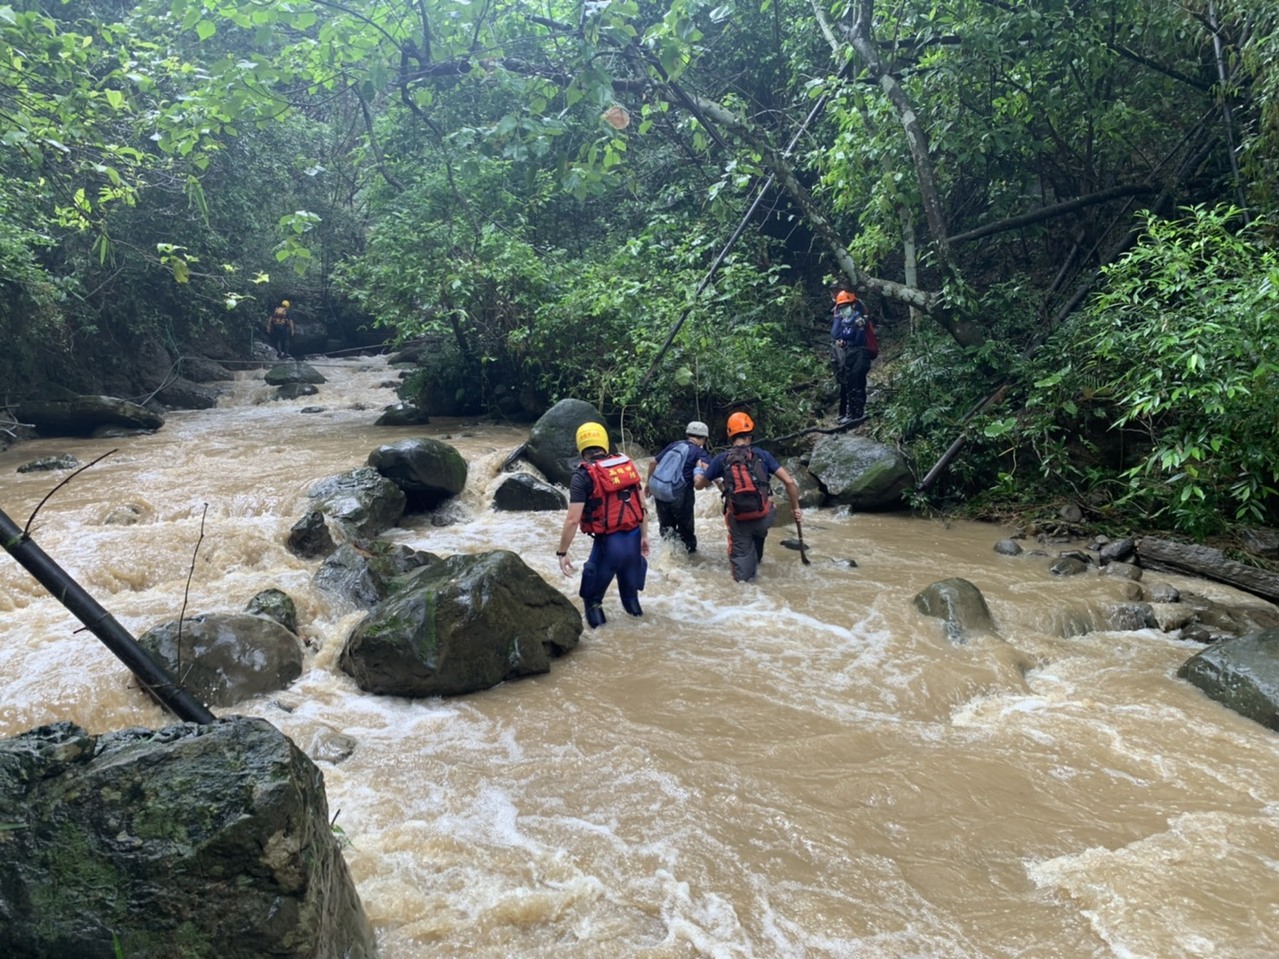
286, 304
591, 434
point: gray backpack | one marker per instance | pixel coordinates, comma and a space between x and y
667, 482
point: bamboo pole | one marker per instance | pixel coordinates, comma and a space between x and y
153, 677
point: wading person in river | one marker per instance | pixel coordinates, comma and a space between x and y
670, 484
749, 510
606, 501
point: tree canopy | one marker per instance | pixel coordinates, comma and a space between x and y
647, 205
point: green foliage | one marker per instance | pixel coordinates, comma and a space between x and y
1182, 349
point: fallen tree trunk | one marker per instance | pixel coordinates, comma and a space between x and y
1206, 563
154, 679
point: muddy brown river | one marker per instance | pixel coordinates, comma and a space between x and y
797, 768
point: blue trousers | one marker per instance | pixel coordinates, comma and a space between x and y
614, 554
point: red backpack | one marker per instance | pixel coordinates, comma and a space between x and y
747, 494
615, 504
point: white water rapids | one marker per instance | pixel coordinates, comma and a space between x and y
797, 768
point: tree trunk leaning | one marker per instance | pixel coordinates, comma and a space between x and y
154, 679
1206, 563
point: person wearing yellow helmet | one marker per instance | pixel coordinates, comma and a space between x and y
744, 473
853, 348
606, 502
279, 329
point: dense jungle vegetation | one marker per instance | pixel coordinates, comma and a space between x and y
1060, 212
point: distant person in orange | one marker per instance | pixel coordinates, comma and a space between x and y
853, 348
279, 329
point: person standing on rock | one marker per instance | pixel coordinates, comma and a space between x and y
853, 348
279, 329
606, 502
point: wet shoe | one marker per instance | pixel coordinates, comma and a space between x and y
595, 616
632, 606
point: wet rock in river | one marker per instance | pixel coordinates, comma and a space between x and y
461, 625
1241, 674
188, 840
960, 604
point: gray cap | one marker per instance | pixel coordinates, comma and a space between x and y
696, 428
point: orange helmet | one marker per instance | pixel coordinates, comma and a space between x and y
740, 423
844, 296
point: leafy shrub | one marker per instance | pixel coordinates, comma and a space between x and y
1183, 347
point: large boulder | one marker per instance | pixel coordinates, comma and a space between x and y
283, 374
429, 471
82, 415
208, 842
960, 605
225, 658
460, 625
1242, 674
859, 472
361, 503
552, 441
811, 495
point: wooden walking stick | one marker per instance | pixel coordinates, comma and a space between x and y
803, 556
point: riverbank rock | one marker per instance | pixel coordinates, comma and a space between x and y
83, 415
960, 605
1242, 674
552, 440
461, 625
858, 472
427, 470
226, 658
189, 840
182, 394
361, 502
201, 369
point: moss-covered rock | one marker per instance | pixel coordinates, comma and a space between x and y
459, 625
193, 841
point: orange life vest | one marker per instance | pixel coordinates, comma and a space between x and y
615, 503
